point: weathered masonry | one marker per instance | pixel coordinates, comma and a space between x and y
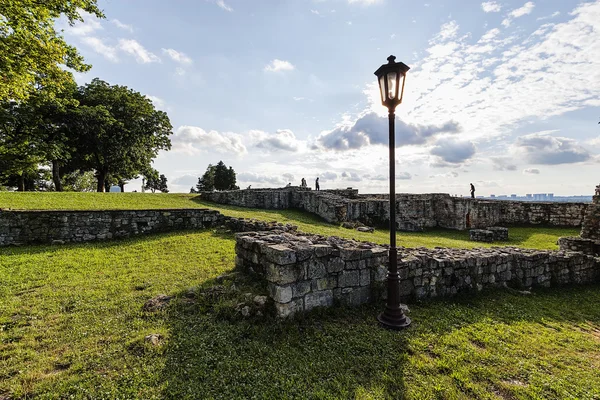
414, 212
304, 271
26, 227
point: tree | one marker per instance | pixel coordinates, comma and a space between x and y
207, 182
78, 181
217, 177
32, 52
155, 182
162, 184
118, 131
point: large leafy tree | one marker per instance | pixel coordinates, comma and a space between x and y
118, 131
32, 52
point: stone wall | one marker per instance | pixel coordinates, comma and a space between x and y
414, 212
25, 227
307, 271
28, 227
304, 271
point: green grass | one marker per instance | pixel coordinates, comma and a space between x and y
531, 237
94, 201
71, 326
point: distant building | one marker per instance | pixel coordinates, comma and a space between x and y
513, 196
492, 196
529, 195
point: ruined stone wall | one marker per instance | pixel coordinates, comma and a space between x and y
28, 227
307, 271
414, 212
304, 271
25, 227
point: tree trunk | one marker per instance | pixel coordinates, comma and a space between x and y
56, 176
101, 178
21, 183
122, 186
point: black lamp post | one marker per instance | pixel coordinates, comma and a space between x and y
391, 77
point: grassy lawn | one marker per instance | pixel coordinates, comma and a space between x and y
94, 201
538, 238
71, 326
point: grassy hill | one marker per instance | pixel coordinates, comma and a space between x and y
72, 324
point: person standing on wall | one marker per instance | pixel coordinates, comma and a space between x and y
317, 184
472, 191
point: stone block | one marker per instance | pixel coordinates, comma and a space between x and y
349, 254
481, 235
365, 277
349, 278
284, 274
286, 310
299, 289
323, 298
329, 282
356, 296
379, 274
335, 265
279, 254
356, 264
322, 250
280, 294
316, 269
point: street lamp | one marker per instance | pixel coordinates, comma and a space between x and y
391, 77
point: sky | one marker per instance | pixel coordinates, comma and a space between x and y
501, 94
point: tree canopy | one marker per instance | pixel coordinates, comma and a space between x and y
118, 131
32, 53
217, 177
111, 130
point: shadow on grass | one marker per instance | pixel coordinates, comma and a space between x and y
335, 353
340, 352
150, 238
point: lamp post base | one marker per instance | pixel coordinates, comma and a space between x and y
395, 321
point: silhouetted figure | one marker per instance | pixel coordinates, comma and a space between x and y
472, 191
303, 183
289, 184
317, 184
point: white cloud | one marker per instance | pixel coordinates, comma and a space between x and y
253, 177
453, 151
192, 140
503, 164
493, 84
490, 6
135, 49
279, 66
221, 3
372, 129
554, 14
89, 25
282, 140
541, 148
177, 56
179, 71
186, 180
157, 101
519, 12
121, 25
108, 52
533, 171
